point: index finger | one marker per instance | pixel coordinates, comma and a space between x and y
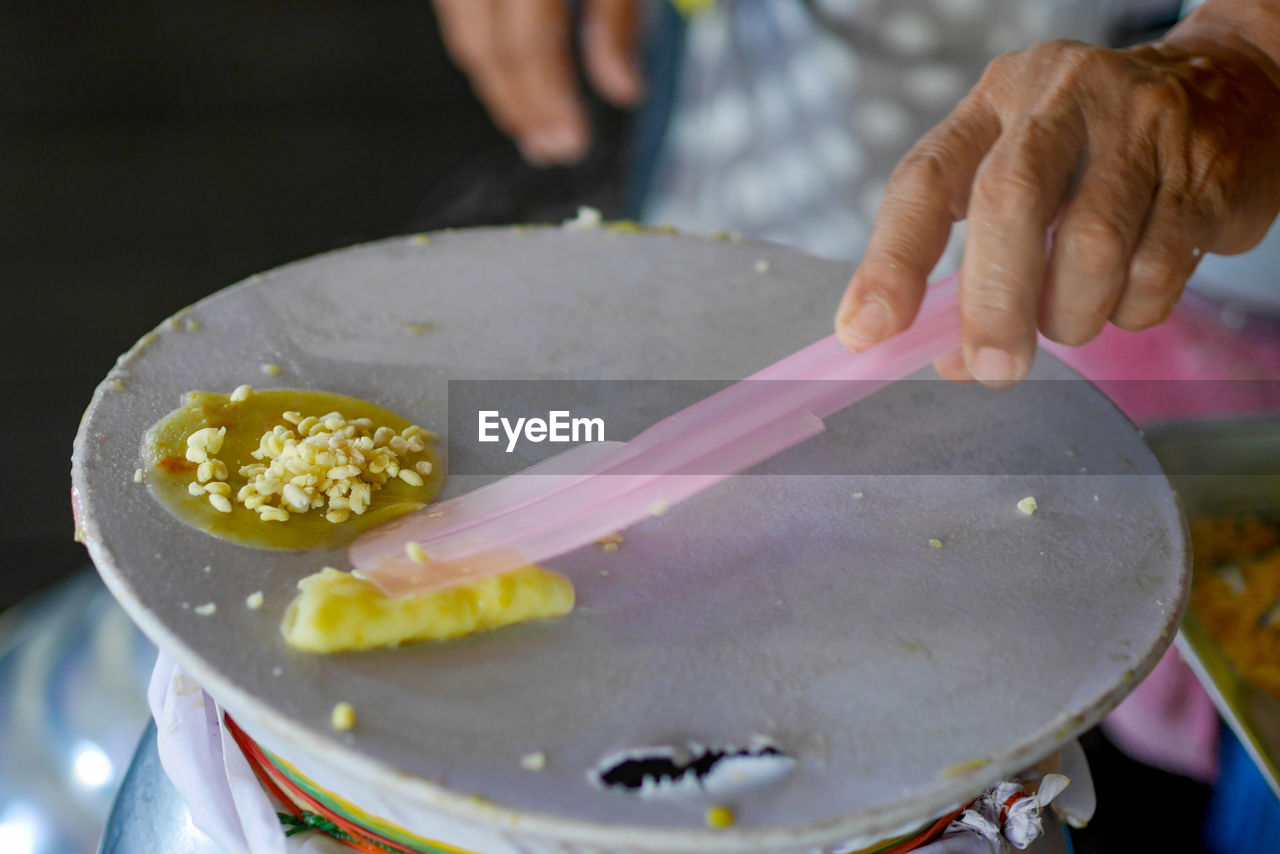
928, 191
1016, 194
535, 68
516, 55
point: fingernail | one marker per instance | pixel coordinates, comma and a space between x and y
534, 150
992, 365
870, 322
565, 144
628, 85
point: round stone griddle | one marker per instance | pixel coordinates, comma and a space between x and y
810, 608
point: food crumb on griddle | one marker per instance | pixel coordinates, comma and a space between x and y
719, 817
1027, 506
610, 542
343, 716
535, 761
588, 217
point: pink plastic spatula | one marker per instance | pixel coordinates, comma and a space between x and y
596, 489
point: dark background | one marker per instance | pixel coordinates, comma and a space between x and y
153, 152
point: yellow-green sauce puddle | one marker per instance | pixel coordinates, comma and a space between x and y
168, 473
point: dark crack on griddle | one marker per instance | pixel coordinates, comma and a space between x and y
630, 774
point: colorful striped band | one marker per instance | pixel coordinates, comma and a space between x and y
312, 807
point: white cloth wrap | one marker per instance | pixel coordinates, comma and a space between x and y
227, 803
223, 797
1010, 815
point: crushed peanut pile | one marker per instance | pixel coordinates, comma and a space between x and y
320, 462
233, 465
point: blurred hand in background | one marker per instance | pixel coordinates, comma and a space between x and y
519, 57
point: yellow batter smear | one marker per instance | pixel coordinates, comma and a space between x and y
336, 611
170, 474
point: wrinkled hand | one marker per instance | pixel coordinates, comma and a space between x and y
1146, 158
517, 54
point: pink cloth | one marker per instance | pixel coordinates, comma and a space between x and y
1168, 722
1165, 374
1177, 370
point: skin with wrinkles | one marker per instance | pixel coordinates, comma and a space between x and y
1145, 158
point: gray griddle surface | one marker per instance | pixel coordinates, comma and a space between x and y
901, 676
